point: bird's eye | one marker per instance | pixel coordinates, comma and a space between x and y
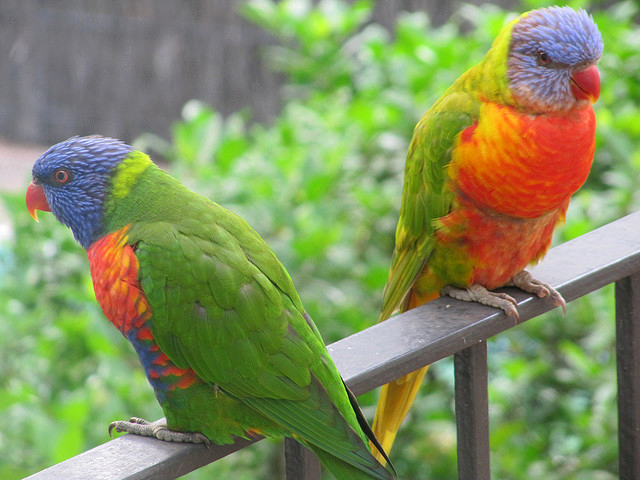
61, 176
543, 57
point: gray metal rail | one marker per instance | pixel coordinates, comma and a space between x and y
404, 343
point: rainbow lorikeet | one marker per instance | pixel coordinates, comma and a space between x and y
213, 315
489, 174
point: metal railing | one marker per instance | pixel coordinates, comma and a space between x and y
420, 337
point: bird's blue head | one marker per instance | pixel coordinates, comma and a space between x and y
72, 180
552, 59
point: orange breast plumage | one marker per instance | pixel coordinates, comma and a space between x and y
523, 165
114, 269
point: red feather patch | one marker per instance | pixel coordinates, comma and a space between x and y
522, 165
114, 270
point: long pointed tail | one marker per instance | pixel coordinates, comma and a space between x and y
397, 397
395, 401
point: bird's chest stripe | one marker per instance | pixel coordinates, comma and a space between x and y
523, 165
114, 270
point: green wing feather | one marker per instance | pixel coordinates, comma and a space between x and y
224, 306
218, 313
426, 196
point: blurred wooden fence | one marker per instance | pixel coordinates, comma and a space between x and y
123, 67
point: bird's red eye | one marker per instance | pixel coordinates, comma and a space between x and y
543, 57
61, 176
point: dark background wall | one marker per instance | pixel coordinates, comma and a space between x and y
124, 67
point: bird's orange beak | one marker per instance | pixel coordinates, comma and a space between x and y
585, 84
36, 200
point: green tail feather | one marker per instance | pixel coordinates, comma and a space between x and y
346, 471
366, 429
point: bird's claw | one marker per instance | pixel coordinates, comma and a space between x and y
525, 281
477, 293
159, 430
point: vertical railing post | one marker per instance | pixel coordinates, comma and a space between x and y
472, 412
300, 462
628, 358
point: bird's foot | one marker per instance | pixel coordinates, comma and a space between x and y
524, 281
159, 430
477, 293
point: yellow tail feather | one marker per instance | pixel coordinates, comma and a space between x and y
395, 401
397, 397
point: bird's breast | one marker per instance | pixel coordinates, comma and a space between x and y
114, 271
523, 165
474, 245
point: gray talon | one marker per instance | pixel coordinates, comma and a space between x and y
159, 430
477, 293
525, 281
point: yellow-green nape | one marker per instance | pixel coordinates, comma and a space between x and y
495, 63
503, 40
128, 172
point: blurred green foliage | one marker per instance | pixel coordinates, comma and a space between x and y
322, 185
